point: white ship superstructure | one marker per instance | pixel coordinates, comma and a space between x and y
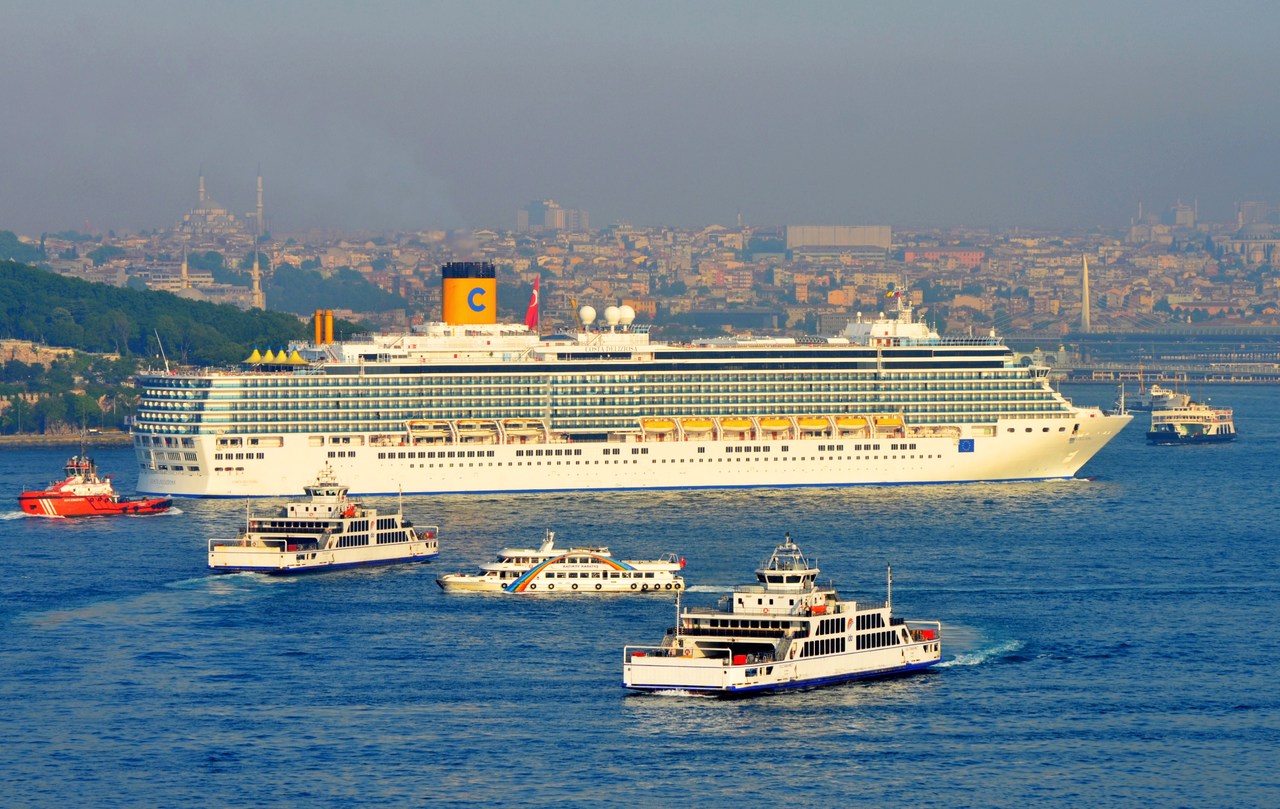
486, 407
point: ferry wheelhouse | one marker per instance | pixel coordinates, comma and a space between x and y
325, 532
786, 631
463, 407
549, 570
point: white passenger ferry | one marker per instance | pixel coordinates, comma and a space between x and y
556, 571
327, 532
785, 632
1193, 423
469, 406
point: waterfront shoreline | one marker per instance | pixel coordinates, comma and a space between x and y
112, 438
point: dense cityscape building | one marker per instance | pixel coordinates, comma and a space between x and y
1165, 270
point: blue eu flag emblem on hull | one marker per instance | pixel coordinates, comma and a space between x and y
966, 445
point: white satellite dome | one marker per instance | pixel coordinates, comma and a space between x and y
626, 314
611, 315
587, 315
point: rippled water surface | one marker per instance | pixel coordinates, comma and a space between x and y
1108, 641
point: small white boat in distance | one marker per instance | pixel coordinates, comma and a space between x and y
785, 632
326, 532
556, 571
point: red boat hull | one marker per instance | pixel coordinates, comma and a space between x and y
62, 504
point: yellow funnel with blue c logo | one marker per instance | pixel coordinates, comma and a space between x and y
470, 292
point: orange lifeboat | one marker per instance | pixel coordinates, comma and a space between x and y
813, 424
736, 424
659, 426
696, 425
775, 424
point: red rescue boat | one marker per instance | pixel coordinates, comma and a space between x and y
84, 494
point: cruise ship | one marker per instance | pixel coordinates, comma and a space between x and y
468, 405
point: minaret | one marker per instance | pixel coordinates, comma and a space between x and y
261, 229
1084, 298
186, 279
201, 194
259, 300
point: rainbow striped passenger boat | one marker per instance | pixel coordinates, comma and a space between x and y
549, 570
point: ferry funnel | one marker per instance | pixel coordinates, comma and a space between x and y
319, 327
470, 292
328, 325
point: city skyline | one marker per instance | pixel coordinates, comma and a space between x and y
445, 115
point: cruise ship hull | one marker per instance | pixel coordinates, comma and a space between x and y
1012, 450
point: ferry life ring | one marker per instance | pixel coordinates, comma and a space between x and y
644, 587
574, 586
668, 585
633, 585
551, 587
533, 587
766, 610
677, 585
597, 587
688, 652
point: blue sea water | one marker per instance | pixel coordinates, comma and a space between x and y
1109, 641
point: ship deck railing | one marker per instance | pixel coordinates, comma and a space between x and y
724, 653
771, 634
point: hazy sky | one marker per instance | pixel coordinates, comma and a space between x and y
393, 115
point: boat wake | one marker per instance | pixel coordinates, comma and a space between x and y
192, 595
980, 656
14, 515
706, 588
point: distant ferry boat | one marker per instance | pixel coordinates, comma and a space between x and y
557, 571
784, 632
325, 532
82, 493
1192, 424
1157, 398
471, 406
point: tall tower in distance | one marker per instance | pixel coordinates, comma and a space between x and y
200, 194
1084, 298
259, 299
261, 228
